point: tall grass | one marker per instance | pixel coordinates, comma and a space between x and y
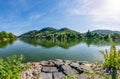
111, 57
111, 60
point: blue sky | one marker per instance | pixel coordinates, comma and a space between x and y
19, 16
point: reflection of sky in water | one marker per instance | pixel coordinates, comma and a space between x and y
80, 51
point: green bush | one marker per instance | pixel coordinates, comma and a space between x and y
12, 67
112, 57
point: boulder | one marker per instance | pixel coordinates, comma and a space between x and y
58, 75
74, 65
49, 69
45, 76
58, 62
68, 70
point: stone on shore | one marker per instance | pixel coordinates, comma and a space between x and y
75, 65
83, 76
49, 69
68, 70
58, 69
58, 62
45, 76
58, 75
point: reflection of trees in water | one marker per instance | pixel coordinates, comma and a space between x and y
3, 44
52, 43
67, 43
100, 42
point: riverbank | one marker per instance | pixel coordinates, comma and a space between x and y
60, 69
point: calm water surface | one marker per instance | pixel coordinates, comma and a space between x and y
37, 50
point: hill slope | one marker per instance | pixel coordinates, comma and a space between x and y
50, 32
49, 29
105, 31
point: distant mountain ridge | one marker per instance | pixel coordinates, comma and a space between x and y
50, 33
66, 30
105, 31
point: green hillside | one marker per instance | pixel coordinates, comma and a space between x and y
68, 34
49, 33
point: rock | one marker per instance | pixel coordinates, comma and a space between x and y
36, 65
97, 70
68, 70
35, 73
49, 69
86, 67
28, 77
45, 76
83, 76
87, 64
58, 75
79, 62
44, 63
27, 73
74, 65
23, 75
58, 62
51, 64
56, 69
67, 62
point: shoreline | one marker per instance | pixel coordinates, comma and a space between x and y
58, 69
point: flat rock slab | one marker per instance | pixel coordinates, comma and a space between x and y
49, 69
68, 70
58, 75
45, 76
86, 67
75, 65
67, 62
58, 62
44, 63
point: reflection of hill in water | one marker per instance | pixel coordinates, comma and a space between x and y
3, 44
52, 43
67, 43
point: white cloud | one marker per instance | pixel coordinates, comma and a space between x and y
109, 12
102, 26
35, 16
97, 10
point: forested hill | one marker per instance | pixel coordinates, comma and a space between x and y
49, 32
106, 31
66, 34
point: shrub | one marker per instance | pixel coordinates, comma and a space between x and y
12, 67
112, 60
112, 57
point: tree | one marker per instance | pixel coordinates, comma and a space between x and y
11, 35
1, 36
4, 34
89, 34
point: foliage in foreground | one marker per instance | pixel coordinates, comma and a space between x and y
11, 68
112, 57
112, 60
111, 63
